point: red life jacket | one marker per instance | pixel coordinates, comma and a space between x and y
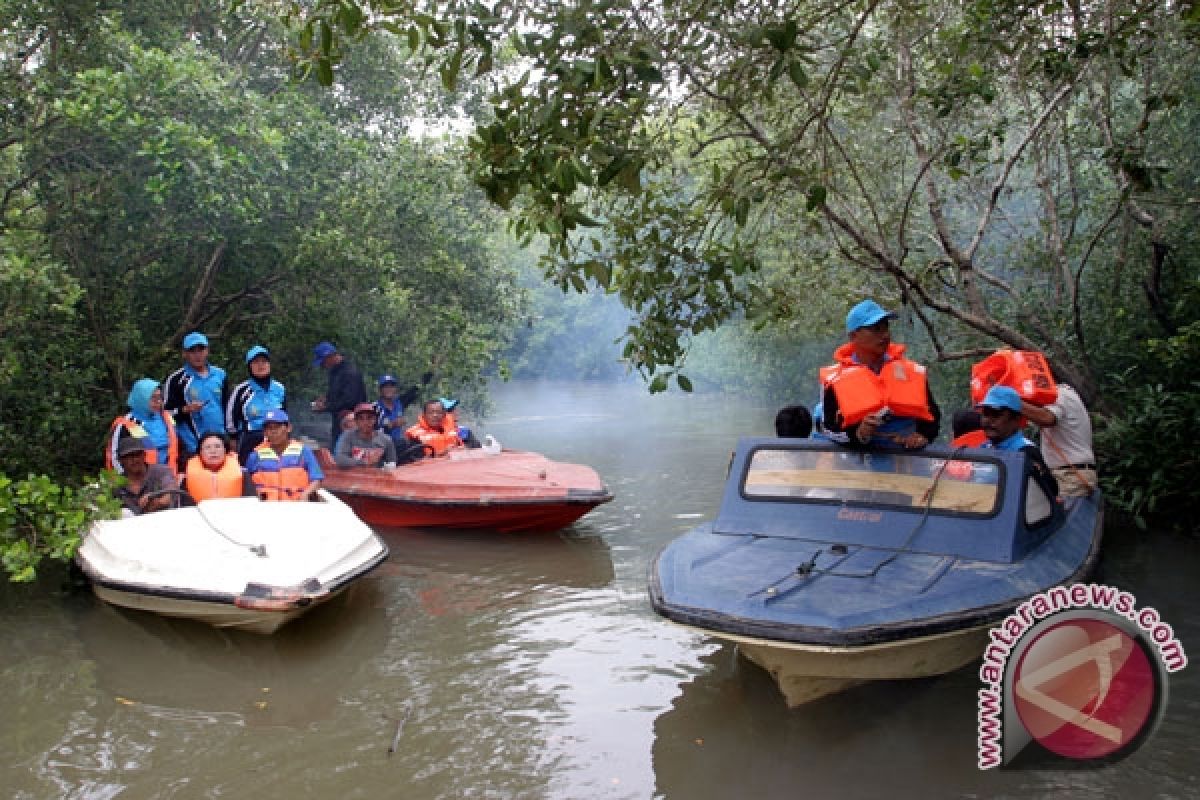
969, 439
134, 428
280, 477
900, 385
440, 439
1026, 371
203, 483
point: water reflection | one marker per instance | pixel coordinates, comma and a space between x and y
522, 666
181, 668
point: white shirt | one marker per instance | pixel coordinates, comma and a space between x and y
1069, 439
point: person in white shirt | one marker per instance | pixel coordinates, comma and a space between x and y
1066, 430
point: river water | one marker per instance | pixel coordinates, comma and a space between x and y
525, 666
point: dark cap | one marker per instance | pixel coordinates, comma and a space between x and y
132, 444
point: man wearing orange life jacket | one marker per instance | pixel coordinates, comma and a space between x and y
279, 468
434, 430
874, 395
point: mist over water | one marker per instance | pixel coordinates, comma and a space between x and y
524, 666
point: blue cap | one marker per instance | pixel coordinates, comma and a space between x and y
255, 352
868, 312
322, 351
448, 403
275, 415
195, 339
385, 379
1002, 397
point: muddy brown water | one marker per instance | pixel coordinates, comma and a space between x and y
527, 666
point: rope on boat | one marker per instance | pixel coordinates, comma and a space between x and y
808, 570
259, 550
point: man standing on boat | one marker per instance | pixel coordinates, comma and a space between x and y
1002, 422
346, 388
1066, 432
873, 394
280, 469
251, 400
195, 394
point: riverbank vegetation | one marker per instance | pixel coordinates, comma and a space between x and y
161, 171
1015, 173
1006, 172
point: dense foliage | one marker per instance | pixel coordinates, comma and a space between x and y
161, 172
1014, 172
41, 519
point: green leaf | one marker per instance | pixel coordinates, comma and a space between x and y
324, 72
326, 39
798, 75
683, 382
816, 197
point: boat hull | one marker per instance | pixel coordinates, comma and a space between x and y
511, 491
218, 612
235, 563
395, 512
828, 568
805, 673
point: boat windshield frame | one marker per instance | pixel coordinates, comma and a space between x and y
965, 485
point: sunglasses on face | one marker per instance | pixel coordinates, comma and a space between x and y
992, 412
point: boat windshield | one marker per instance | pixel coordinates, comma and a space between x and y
908, 480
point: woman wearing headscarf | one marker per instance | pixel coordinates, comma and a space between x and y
146, 419
251, 400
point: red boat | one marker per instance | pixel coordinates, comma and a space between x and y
507, 491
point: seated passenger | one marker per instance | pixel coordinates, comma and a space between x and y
213, 471
148, 487
280, 469
434, 430
874, 394
1002, 422
967, 427
364, 446
793, 422
145, 419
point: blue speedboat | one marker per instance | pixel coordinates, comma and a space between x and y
829, 566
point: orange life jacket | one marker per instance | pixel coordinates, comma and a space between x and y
900, 385
134, 428
1026, 371
969, 439
203, 483
440, 439
280, 477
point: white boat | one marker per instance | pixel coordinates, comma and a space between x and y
231, 562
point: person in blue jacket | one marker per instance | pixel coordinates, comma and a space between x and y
196, 395
251, 400
389, 408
